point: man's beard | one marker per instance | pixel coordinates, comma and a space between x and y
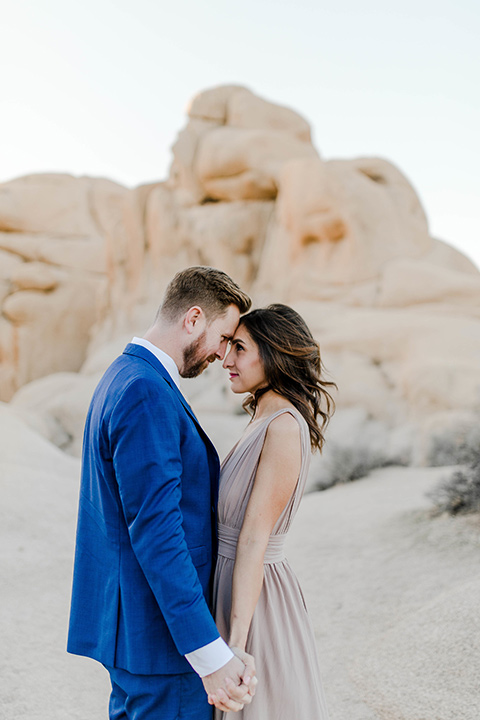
194, 361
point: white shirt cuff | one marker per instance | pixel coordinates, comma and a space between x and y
209, 658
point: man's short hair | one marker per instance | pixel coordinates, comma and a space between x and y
209, 288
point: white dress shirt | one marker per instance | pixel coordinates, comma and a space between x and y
208, 658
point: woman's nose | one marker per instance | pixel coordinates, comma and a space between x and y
227, 362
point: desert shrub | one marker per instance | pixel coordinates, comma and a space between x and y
459, 448
459, 493
345, 464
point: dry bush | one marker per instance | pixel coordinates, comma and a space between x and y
459, 493
459, 448
347, 463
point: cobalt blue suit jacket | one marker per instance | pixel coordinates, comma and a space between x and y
146, 524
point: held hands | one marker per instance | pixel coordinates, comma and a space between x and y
249, 676
233, 685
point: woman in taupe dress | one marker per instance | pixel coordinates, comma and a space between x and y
259, 606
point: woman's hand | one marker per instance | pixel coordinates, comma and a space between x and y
249, 675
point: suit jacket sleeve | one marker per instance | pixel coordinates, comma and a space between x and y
145, 444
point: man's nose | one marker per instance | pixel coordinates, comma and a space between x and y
227, 361
220, 354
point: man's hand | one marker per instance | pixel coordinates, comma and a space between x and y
226, 688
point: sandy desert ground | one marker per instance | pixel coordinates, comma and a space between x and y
393, 593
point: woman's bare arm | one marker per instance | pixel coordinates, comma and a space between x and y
275, 481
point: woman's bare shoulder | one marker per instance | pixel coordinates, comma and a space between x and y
283, 428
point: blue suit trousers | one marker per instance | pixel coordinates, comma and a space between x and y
157, 697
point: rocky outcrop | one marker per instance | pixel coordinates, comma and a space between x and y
84, 262
54, 230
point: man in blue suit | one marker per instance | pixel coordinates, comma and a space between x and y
146, 531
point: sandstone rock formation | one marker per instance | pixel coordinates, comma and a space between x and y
84, 262
53, 264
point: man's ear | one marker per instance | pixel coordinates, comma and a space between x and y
193, 318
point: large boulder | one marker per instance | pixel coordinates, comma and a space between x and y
84, 262
234, 147
338, 226
54, 234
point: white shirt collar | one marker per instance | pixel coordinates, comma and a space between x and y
167, 362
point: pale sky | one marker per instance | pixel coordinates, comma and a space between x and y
99, 87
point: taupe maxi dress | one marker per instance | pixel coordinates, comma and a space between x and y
281, 636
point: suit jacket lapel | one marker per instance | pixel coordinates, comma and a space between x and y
140, 351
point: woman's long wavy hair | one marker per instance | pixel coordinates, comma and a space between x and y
292, 365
